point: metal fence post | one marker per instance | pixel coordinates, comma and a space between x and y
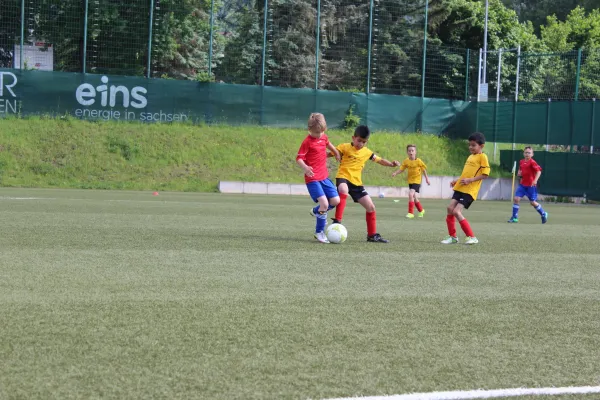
577, 76
318, 39
85, 35
149, 65
210, 45
548, 124
478, 93
424, 50
498, 85
264, 48
593, 126
21, 61
370, 47
467, 75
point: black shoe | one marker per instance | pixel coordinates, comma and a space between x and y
335, 221
377, 238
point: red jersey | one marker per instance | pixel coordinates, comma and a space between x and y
313, 152
528, 171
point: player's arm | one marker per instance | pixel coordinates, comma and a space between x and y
426, 177
537, 176
334, 151
386, 163
485, 172
301, 157
401, 170
308, 171
466, 181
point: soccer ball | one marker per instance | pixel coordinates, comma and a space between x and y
336, 233
381, 195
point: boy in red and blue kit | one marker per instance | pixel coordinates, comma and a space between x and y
530, 172
312, 158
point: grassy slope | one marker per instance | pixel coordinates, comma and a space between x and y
40, 152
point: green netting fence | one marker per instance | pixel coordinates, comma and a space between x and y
564, 174
366, 46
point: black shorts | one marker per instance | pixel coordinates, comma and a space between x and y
415, 186
356, 192
463, 198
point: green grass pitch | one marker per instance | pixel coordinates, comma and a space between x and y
115, 295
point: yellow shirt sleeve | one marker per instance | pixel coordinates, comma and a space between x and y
404, 164
422, 164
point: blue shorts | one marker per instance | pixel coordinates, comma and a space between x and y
529, 191
325, 188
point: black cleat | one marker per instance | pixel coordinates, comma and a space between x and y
335, 221
377, 238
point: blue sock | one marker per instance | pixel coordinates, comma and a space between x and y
330, 208
515, 211
539, 209
321, 222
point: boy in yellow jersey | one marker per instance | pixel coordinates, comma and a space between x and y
349, 179
466, 188
416, 168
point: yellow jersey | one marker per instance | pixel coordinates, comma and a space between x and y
353, 162
476, 165
415, 169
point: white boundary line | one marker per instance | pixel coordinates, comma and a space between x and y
482, 394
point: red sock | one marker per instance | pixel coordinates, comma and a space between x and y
371, 223
419, 206
464, 224
450, 220
339, 211
411, 207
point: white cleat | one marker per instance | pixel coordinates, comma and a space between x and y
321, 237
471, 240
450, 240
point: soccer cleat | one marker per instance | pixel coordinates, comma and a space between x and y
471, 240
320, 236
376, 238
421, 214
450, 240
312, 213
410, 216
544, 218
335, 221
513, 220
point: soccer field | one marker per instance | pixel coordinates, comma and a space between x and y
119, 295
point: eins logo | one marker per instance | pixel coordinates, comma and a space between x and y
87, 94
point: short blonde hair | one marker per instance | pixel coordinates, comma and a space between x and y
316, 123
411, 145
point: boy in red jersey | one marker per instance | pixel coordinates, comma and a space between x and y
312, 158
530, 173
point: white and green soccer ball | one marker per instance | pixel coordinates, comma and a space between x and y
336, 233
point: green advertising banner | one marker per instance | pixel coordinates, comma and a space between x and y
120, 98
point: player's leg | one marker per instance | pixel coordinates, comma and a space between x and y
342, 187
418, 203
532, 195
371, 218
411, 203
451, 223
519, 193
463, 203
315, 189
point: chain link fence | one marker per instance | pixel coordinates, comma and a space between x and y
369, 46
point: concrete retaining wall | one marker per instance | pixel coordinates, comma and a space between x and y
491, 189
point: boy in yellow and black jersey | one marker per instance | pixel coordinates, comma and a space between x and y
349, 179
466, 188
